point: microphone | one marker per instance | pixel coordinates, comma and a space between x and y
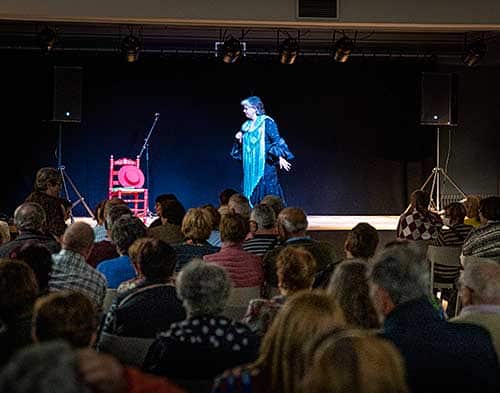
157, 115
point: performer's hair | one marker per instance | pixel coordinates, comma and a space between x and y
256, 103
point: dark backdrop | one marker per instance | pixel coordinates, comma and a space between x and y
353, 127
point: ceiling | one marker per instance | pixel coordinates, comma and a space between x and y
446, 46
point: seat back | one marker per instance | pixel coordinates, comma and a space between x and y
445, 265
128, 350
238, 300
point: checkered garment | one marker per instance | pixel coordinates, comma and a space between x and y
70, 271
416, 225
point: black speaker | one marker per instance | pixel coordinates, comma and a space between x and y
439, 99
67, 94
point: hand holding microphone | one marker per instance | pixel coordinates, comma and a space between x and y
239, 136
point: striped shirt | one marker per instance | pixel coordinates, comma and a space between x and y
260, 244
454, 236
484, 241
70, 271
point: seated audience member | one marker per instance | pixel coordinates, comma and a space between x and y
66, 315
71, 271
471, 205
349, 287
106, 249
418, 222
244, 269
480, 294
56, 367
214, 238
39, 258
171, 214
133, 254
295, 268
29, 219
224, 200
196, 228
4, 232
352, 361
454, 233
206, 343
125, 231
48, 185
153, 304
18, 291
263, 229
274, 202
292, 231
399, 287
99, 228
158, 201
484, 241
238, 203
281, 365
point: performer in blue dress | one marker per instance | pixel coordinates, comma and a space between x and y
262, 150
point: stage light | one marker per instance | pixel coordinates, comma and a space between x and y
230, 50
47, 39
289, 51
343, 48
475, 52
131, 47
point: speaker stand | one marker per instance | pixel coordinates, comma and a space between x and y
436, 176
65, 178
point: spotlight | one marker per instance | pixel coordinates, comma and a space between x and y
131, 46
47, 39
343, 49
230, 50
289, 51
475, 52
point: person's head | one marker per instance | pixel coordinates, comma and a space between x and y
99, 212
171, 211
489, 209
233, 228
480, 283
295, 269
66, 315
349, 361
197, 224
79, 237
214, 214
225, 195
29, 216
113, 211
238, 203
39, 258
156, 260
362, 241
4, 232
162, 198
274, 202
253, 105
471, 205
454, 213
419, 200
203, 288
48, 180
134, 250
125, 231
397, 275
262, 218
304, 316
18, 289
349, 286
292, 221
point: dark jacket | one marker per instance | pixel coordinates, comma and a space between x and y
26, 236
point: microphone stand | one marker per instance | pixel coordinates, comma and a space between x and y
145, 147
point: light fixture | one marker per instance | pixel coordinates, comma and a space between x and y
289, 50
130, 47
230, 50
342, 49
475, 52
47, 39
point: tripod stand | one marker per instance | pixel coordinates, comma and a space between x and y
436, 175
65, 178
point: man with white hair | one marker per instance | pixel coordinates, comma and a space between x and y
480, 293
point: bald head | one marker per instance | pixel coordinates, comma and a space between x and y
29, 216
78, 237
292, 221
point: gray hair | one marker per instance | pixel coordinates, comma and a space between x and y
203, 288
484, 279
293, 219
275, 202
125, 231
29, 216
78, 237
402, 272
264, 216
49, 367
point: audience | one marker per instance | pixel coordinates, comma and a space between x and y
361, 242
454, 232
471, 205
244, 269
171, 214
158, 201
214, 238
263, 230
133, 254
274, 202
224, 200
4, 232
239, 204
